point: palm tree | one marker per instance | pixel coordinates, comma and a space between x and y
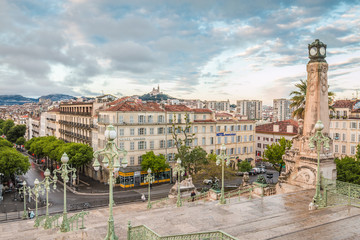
298, 100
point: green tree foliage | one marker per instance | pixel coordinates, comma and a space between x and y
244, 166
274, 153
157, 163
5, 143
211, 171
298, 99
357, 155
1, 132
7, 125
348, 170
12, 162
79, 154
15, 132
20, 141
196, 159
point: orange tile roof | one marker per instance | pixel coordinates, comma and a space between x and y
117, 101
131, 106
269, 128
206, 120
343, 104
177, 108
55, 109
223, 115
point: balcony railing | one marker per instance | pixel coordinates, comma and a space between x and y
76, 113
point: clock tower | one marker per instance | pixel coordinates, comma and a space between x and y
300, 160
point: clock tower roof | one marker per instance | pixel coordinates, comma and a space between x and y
317, 51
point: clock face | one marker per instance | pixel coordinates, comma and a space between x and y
322, 51
313, 51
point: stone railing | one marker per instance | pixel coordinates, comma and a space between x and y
142, 232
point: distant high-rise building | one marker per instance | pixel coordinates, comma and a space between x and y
218, 106
250, 108
282, 110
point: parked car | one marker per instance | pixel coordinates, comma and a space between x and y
258, 170
252, 172
239, 173
207, 181
262, 170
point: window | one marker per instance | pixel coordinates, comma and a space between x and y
203, 129
170, 118
160, 130
225, 139
142, 131
195, 141
245, 127
259, 145
239, 138
160, 119
353, 125
231, 151
132, 145
244, 150
211, 128
121, 119
232, 139
225, 128
151, 131
141, 145
195, 129
232, 128
217, 128
170, 143
121, 132
250, 127
121, 145
162, 143
151, 144
336, 124
204, 117
169, 130
259, 138
132, 161
150, 119
353, 137
343, 149
194, 117
203, 141
139, 160
352, 150
337, 136
336, 148
132, 131
344, 137
251, 138
179, 118
245, 138
131, 119
239, 150
211, 140
218, 151
219, 140
251, 149
141, 119
344, 125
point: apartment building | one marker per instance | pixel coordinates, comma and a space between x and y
250, 108
33, 127
49, 124
270, 133
218, 106
281, 109
345, 127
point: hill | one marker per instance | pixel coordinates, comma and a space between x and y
56, 97
15, 99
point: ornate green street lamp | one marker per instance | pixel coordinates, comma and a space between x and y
149, 179
179, 171
35, 191
221, 159
46, 182
319, 139
111, 160
23, 191
65, 170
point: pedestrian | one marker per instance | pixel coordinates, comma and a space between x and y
193, 194
143, 198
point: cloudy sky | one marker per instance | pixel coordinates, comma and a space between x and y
203, 49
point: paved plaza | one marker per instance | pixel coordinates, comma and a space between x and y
275, 217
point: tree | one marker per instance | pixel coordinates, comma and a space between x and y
244, 166
15, 132
12, 162
157, 163
196, 159
7, 125
274, 153
211, 171
357, 155
20, 141
348, 170
298, 99
5, 143
182, 138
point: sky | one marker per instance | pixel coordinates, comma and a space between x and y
192, 49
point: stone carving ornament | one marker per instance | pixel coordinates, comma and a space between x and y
312, 79
323, 78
